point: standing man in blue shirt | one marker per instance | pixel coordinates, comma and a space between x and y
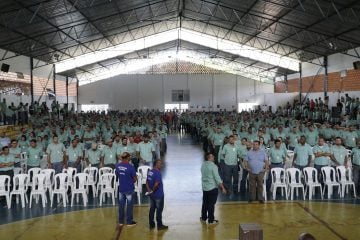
257, 163
127, 177
155, 189
211, 181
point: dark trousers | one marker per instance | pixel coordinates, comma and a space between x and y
216, 154
318, 168
208, 205
243, 180
158, 206
256, 186
205, 144
231, 172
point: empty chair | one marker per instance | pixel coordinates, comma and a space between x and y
70, 171
92, 180
294, 182
31, 173
138, 187
143, 170
39, 188
329, 178
264, 186
80, 184
60, 188
311, 181
345, 180
5, 188
107, 185
278, 181
102, 171
49, 173
20, 188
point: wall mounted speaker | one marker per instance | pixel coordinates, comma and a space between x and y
5, 67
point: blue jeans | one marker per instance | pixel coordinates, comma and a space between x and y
126, 198
57, 167
158, 205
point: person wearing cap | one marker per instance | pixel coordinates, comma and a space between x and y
93, 155
109, 152
127, 177
56, 152
74, 154
145, 151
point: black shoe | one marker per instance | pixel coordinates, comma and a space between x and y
163, 227
213, 222
133, 223
261, 201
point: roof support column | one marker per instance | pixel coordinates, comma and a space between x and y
326, 76
300, 81
32, 79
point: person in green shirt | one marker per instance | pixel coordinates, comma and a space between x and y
108, 158
210, 181
277, 157
231, 153
302, 154
356, 165
34, 154
312, 136
56, 152
145, 151
293, 138
322, 154
338, 154
16, 151
93, 156
217, 141
7, 162
74, 155
350, 138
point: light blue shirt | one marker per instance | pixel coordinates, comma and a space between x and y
256, 160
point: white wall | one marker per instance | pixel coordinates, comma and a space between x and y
139, 91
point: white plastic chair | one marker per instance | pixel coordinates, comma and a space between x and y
20, 188
107, 185
345, 180
60, 188
143, 170
39, 188
31, 173
329, 178
80, 183
264, 186
50, 174
102, 171
294, 182
138, 187
70, 171
92, 180
5, 188
311, 182
278, 181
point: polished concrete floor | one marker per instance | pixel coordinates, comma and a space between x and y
334, 219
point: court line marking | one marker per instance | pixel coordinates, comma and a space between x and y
323, 222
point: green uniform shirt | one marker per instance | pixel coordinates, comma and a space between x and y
56, 152
7, 159
339, 153
277, 155
34, 156
321, 160
293, 138
312, 137
210, 178
74, 153
356, 156
350, 139
109, 154
15, 151
231, 154
146, 150
218, 138
93, 156
302, 154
